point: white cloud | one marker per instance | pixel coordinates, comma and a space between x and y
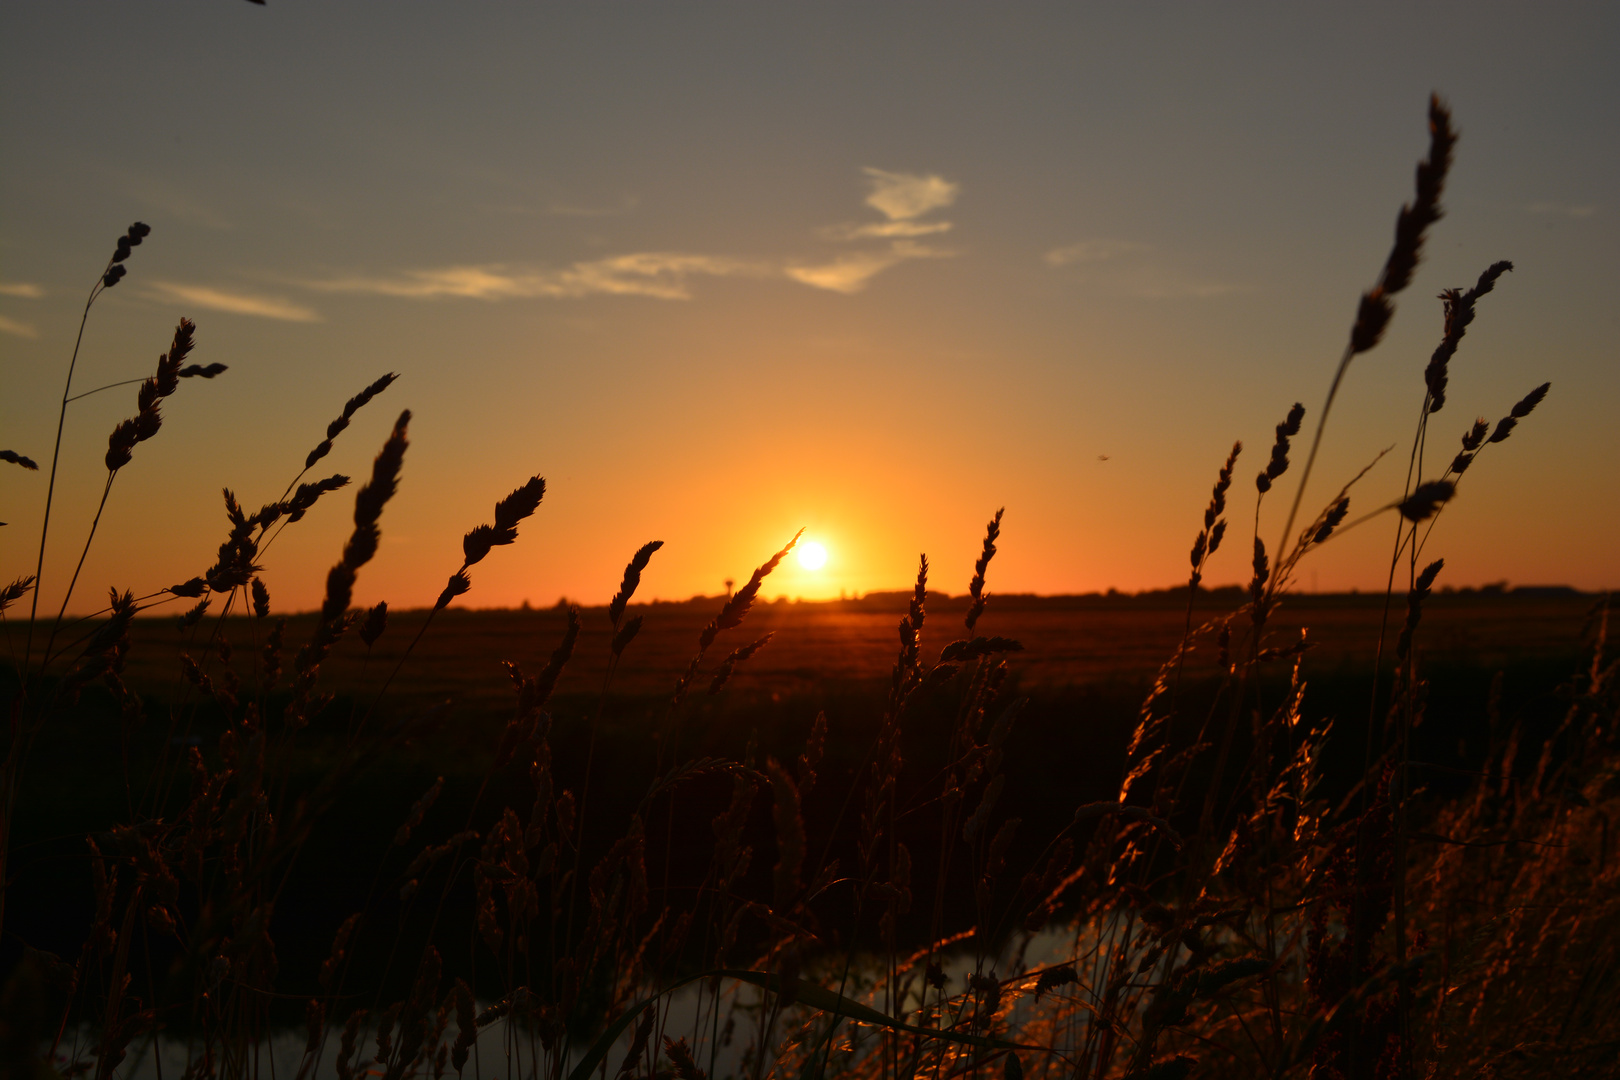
845, 274
899, 197
662, 275
902, 196
1125, 267
1092, 251
264, 307
851, 273
1562, 209
666, 275
885, 230
25, 289
20, 329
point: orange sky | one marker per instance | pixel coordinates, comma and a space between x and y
721, 272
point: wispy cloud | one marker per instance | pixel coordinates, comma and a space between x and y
662, 275
1087, 251
1562, 209
885, 230
264, 307
1134, 269
669, 275
25, 289
19, 329
903, 196
853, 272
845, 274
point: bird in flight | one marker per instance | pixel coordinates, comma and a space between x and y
1102, 457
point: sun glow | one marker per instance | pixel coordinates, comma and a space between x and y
812, 556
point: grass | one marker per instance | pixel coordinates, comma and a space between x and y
937, 872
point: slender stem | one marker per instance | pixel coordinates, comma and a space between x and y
1412, 467
1316, 442
109, 386
404, 656
50, 488
105, 491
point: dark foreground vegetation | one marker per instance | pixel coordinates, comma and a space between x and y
237, 843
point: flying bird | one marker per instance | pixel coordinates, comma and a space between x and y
1102, 457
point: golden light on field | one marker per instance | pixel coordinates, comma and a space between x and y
812, 556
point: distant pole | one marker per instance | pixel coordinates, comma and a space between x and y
729, 583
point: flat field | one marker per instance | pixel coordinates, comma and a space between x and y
1085, 665
1068, 642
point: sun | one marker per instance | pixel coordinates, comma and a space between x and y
812, 556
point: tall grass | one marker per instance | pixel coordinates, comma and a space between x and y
1217, 917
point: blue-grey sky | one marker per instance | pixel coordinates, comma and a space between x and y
722, 270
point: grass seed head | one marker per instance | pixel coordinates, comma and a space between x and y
1528, 403
121, 250
1335, 517
376, 622
976, 587
458, 584
1279, 448
352, 406
1262, 571
723, 674
1459, 312
10, 594
624, 635
680, 1057
740, 602
508, 512
1375, 311
368, 507
1426, 499
1217, 499
632, 578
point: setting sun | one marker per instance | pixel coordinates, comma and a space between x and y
812, 556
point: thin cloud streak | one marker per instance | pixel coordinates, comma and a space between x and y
885, 230
19, 329
263, 307
1087, 251
1117, 265
846, 274
661, 275
851, 273
668, 275
27, 290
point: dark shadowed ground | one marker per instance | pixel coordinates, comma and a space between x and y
1086, 663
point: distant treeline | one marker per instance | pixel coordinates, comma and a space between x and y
897, 600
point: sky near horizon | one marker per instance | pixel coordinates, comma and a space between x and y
721, 271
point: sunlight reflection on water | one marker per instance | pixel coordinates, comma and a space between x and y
505, 1050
